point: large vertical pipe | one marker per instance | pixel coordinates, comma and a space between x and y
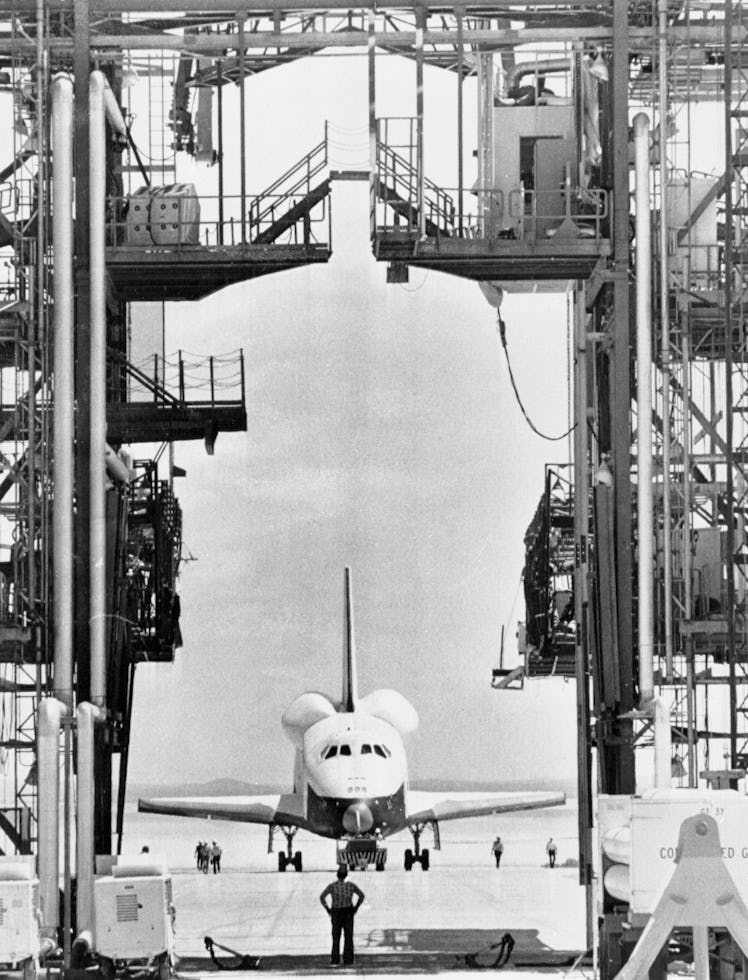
97, 219
644, 507
51, 713
667, 546
63, 432
87, 715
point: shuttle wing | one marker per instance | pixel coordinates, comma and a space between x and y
423, 807
285, 809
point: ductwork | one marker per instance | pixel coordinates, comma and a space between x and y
547, 67
51, 713
63, 417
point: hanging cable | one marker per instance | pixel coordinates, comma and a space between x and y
535, 429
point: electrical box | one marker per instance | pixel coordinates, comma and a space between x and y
175, 215
19, 911
133, 915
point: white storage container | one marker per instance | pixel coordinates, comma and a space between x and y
133, 916
19, 920
175, 215
137, 225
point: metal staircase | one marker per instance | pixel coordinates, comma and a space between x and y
287, 204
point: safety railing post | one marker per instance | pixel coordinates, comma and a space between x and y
241, 370
212, 385
181, 377
155, 377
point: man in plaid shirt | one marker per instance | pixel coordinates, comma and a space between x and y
341, 912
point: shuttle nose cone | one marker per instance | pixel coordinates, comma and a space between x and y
357, 818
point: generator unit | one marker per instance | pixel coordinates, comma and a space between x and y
134, 913
20, 938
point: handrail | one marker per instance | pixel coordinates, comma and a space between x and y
184, 371
302, 172
440, 206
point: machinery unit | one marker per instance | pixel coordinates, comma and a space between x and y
361, 853
134, 913
20, 939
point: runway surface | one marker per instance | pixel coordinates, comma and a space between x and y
412, 923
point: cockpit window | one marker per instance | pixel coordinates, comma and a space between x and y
379, 750
331, 751
365, 749
345, 750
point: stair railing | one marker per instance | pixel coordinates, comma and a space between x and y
297, 180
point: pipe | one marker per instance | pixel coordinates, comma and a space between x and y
516, 72
644, 505
663, 748
51, 713
112, 109
116, 466
63, 433
87, 715
97, 383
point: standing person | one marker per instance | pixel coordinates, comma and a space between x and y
341, 910
199, 856
215, 857
551, 851
497, 849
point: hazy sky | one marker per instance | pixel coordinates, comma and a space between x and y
382, 434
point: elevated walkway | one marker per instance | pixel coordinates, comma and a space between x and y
183, 398
528, 236
165, 244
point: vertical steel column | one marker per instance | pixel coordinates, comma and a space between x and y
619, 750
460, 13
667, 544
373, 166
81, 46
581, 525
219, 86
644, 501
686, 547
728, 407
420, 203
242, 127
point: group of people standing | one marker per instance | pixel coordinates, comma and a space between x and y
497, 849
208, 856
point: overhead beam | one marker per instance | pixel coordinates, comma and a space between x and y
219, 44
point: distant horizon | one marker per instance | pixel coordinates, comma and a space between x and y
238, 787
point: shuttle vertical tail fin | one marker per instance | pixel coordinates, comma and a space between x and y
350, 679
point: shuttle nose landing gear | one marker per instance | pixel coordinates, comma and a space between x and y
418, 856
286, 859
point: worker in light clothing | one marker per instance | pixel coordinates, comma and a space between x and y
341, 910
497, 849
551, 851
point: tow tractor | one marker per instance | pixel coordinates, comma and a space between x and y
360, 852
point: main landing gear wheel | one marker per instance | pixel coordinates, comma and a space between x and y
408, 863
425, 859
297, 861
281, 861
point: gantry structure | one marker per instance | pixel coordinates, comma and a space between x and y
658, 466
